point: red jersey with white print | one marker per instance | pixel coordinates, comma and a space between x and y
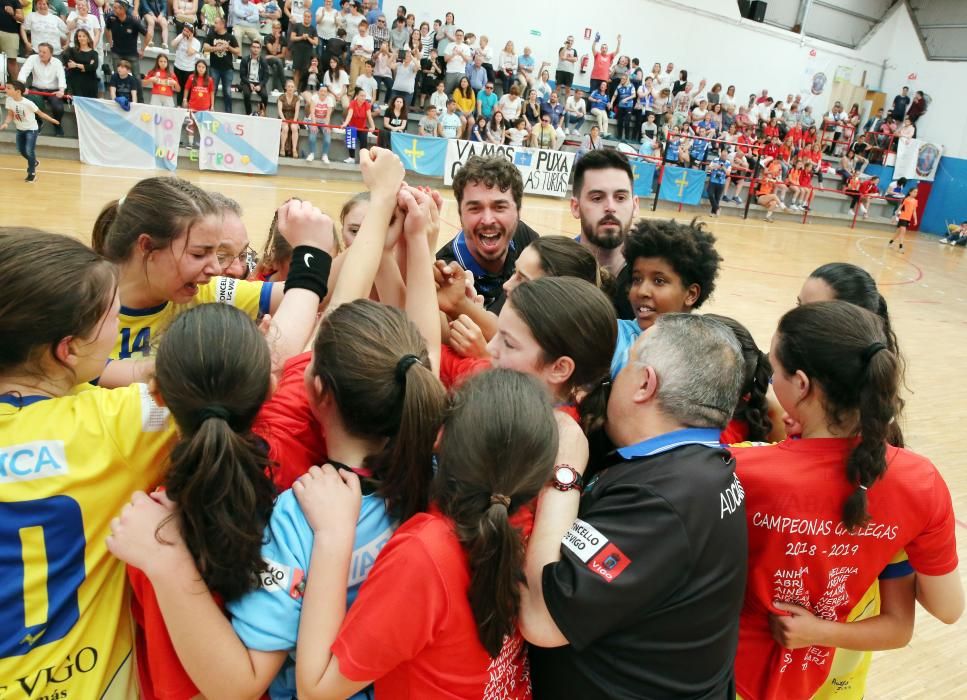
411, 628
801, 553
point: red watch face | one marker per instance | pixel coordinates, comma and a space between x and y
565, 476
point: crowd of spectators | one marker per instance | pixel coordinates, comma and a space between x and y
378, 71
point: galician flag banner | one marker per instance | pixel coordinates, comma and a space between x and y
144, 137
235, 143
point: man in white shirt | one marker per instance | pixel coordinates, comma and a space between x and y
457, 56
575, 109
47, 75
245, 22
43, 27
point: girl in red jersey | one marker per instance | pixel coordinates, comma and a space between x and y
828, 512
437, 616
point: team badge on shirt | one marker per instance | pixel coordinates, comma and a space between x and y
600, 554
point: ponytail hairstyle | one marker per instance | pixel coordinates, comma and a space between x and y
277, 252
361, 357
55, 287
753, 408
855, 285
164, 208
844, 350
496, 451
561, 256
213, 372
570, 317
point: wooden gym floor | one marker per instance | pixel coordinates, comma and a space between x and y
764, 268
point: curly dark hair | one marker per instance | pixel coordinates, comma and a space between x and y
688, 248
492, 172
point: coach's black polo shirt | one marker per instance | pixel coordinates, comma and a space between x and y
487, 284
651, 578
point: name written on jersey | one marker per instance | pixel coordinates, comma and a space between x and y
32, 460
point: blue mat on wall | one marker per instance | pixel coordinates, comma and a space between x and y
948, 198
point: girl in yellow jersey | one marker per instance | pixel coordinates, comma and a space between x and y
164, 235
67, 462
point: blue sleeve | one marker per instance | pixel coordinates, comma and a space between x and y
267, 619
628, 332
897, 570
265, 298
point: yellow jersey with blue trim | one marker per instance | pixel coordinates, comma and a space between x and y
139, 328
67, 467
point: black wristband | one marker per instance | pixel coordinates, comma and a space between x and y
309, 269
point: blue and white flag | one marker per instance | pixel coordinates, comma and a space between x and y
235, 143
683, 185
425, 155
644, 171
145, 137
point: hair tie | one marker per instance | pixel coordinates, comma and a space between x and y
863, 487
871, 350
403, 366
121, 201
213, 412
499, 499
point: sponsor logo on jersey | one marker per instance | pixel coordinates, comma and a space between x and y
279, 577
32, 460
609, 563
584, 540
225, 290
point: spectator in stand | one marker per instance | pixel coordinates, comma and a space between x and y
477, 74
835, 121
43, 27
81, 63
507, 66
210, 11
431, 75
384, 61
447, 33
122, 86
379, 31
466, 104
288, 105
518, 133
245, 22
404, 83
602, 60
399, 37
956, 235
875, 123
478, 132
163, 83
394, 121
439, 98
728, 99
368, 83
567, 58
254, 79
274, 52
511, 105
186, 48
496, 129
532, 110
82, 18
591, 142
360, 117
302, 42
45, 73
544, 135
456, 56
353, 20
487, 100
575, 110
184, 12
154, 12
900, 104
792, 184
222, 47
362, 47
867, 190
451, 123
622, 102
766, 197
621, 68
714, 96
719, 169
680, 84
319, 111
917, 108
555, 110
526, 64
427, 39
429, 125
337, 47
198, 94
600, 106
908, 130
11, 20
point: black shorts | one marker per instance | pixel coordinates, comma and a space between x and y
562, 77
902, 223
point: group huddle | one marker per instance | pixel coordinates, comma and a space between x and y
513, 467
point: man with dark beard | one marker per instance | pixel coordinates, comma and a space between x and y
603, 199
489, 193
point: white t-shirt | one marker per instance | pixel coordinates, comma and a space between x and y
47, 28
456, 58
516, 136
336, 87
183, 61
326, 23
24, 113
91, 23
439, 100
450, 124
321, 109
352, 24
575, 107
365, 43
510, 108
369, 85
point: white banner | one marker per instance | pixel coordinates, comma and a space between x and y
545, 172
916, 159
235, 143
145, 137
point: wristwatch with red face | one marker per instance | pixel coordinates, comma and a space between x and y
566, 478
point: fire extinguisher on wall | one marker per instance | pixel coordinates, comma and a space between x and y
585, 60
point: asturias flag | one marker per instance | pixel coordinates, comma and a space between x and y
683, 185
426, 155
644, 171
